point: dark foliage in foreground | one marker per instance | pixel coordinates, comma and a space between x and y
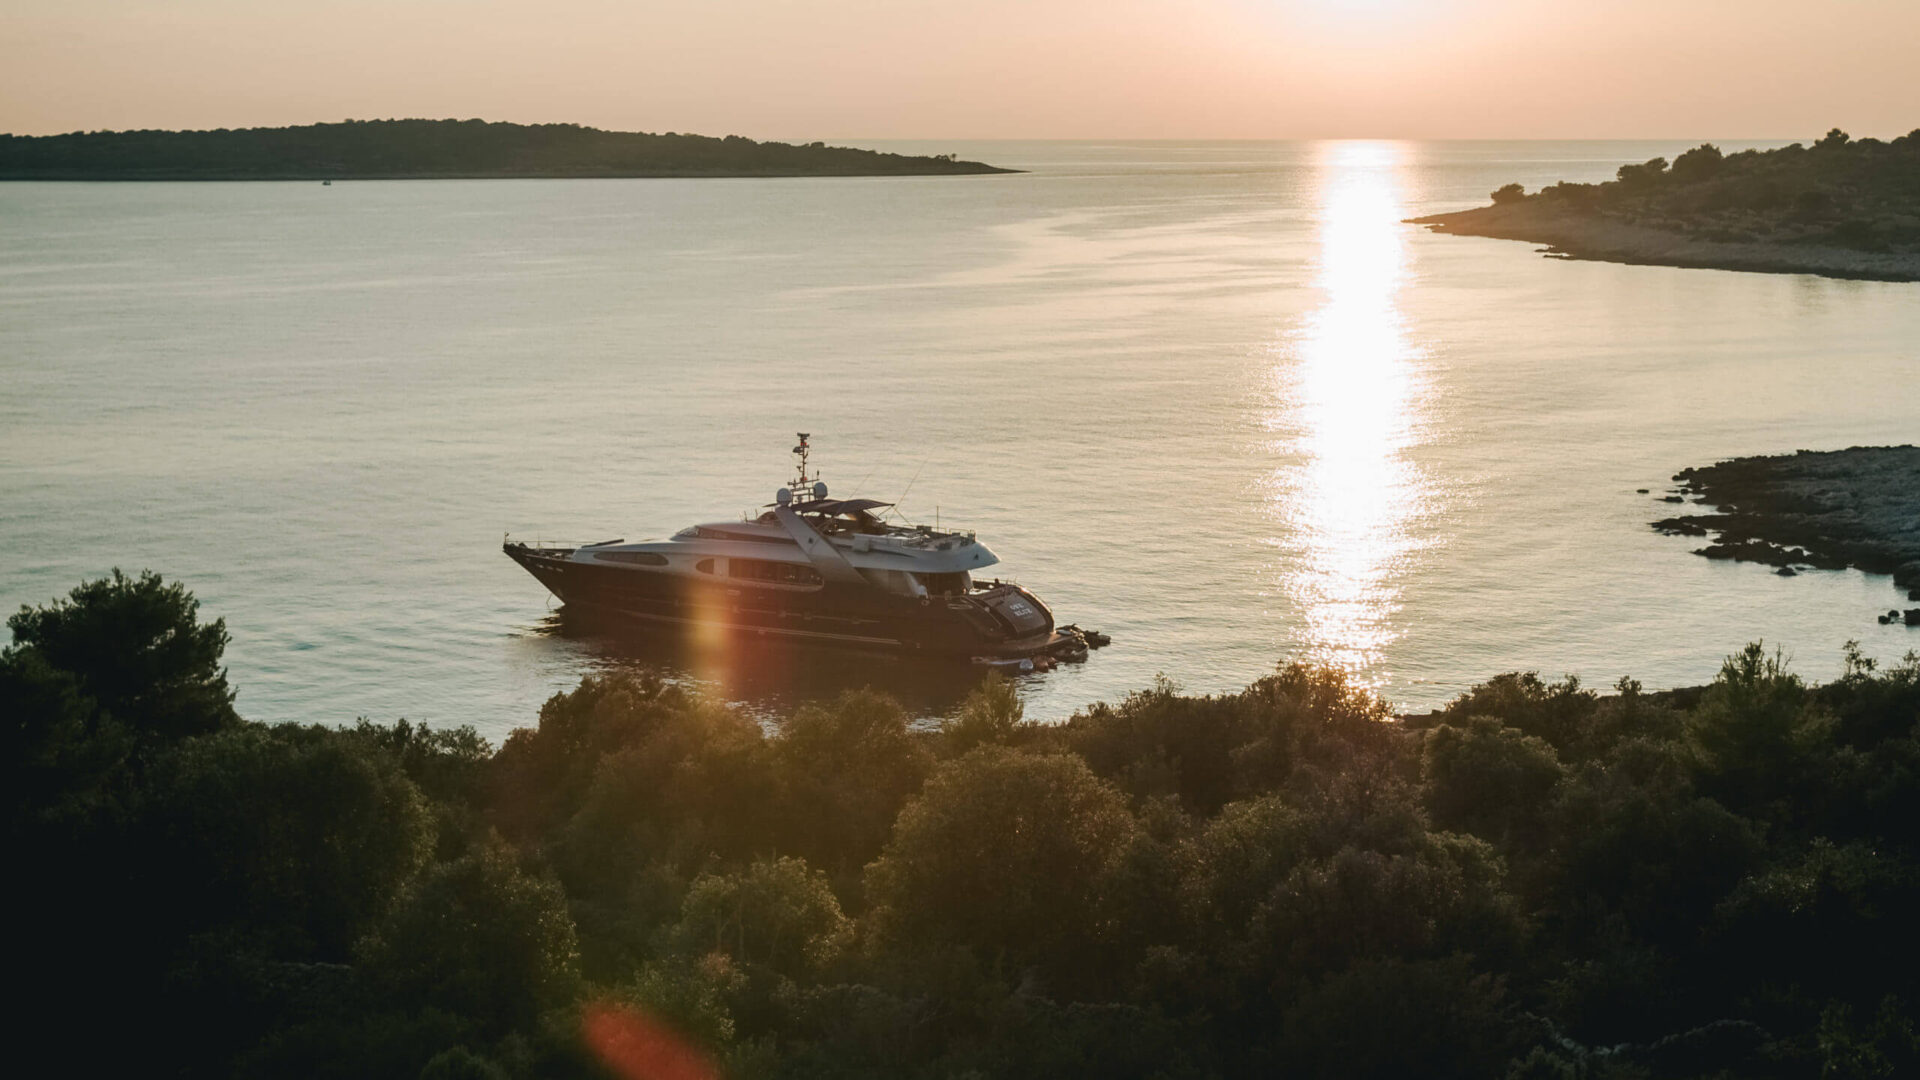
393, 149
1862, 194
1538, 881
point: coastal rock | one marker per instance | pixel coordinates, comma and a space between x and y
1913, 616
1786, 571
1826, 510
1750, 551
1680, 526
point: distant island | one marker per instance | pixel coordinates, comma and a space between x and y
439, 149
1843, 207
1822, 510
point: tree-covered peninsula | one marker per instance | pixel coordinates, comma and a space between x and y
438, 149
1536, 882
1842, 207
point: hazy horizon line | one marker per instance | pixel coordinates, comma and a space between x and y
977, 138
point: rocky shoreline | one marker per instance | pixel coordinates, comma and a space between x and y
1570, 234
1820, 510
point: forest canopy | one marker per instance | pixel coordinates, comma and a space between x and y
403, 149
1538, 881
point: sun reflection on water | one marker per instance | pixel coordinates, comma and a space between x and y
1348, 389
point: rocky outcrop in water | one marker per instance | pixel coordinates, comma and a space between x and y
1824, 510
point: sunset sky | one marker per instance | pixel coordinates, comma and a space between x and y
850, 69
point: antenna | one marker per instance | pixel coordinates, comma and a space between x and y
910, 483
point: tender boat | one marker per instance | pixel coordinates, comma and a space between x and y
812, 568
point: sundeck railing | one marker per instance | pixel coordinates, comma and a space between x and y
540, 544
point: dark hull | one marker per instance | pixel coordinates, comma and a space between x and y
959, 626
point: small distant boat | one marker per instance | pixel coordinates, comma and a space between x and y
819, 569
326, 183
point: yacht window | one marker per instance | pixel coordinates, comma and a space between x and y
705, 532
948, 584
705, 566
636, 558
777, 573
898, 582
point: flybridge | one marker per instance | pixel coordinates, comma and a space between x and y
807, 494
796, 493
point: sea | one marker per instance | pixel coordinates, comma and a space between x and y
1215, 399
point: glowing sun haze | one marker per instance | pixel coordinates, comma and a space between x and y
978, 68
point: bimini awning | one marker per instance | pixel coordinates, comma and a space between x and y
836, 507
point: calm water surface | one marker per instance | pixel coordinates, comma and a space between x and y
1212, 398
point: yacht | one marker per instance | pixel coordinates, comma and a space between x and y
814, 568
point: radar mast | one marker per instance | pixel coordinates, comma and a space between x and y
805, 485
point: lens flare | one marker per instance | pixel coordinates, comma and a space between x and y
633, 1046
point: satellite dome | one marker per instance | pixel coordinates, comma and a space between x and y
783, 496
819, 489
